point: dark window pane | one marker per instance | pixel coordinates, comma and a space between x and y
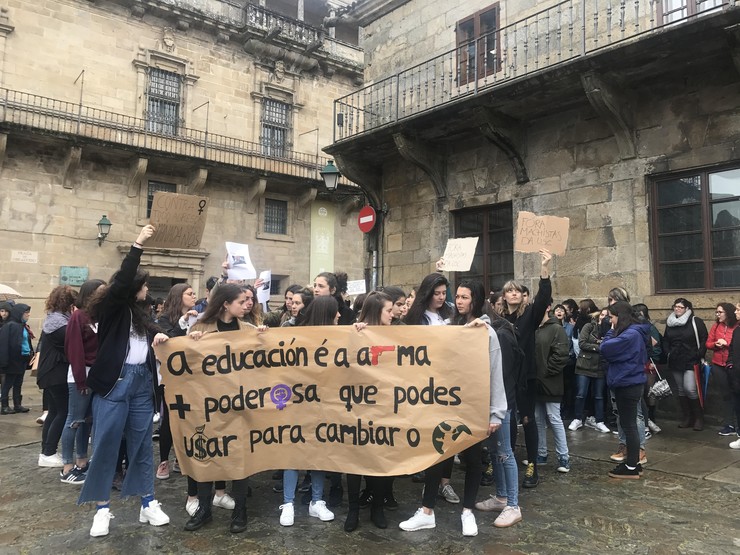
726, 243
163, 102
470, 224
681, 247
724, 184
726, 214
727, 273
686, 190
276, 125
680, 218
276, 216
155, 186
682, 276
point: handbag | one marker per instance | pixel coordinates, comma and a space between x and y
660, 388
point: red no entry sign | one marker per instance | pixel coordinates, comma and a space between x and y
366, 219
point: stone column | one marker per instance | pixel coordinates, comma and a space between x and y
5, 29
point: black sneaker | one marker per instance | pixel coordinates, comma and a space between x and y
155, 435
74, 476
487, 476
727, 430
391, 504
366, 497
531, 478
622, 472
278, 488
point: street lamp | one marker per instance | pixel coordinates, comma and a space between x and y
104, 226
330, 174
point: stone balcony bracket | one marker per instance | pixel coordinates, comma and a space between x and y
304, 201
71, 163
255, 191
611, 105
197, 180
347, 206
506, 134
136, 170
366, 176
427, 158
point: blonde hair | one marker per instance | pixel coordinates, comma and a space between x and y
513, 285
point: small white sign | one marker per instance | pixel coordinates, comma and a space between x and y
240, 265
263, 293
356, 287
27, 257
459, 253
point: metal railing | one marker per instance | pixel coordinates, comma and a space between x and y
75, 120
565, 31
293, 29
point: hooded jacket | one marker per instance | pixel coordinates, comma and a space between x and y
626, 355
13, 359
53, 363
551, 356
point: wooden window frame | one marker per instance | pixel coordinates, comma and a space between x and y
690, 6
463, 43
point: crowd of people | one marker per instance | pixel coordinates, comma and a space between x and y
549, 364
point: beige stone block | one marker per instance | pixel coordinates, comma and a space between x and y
569, 286
588, 195
609, 213
550, 203
616, 259
412, 240
577, 262
394, 242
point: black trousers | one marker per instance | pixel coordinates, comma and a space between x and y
14, 382
627, 399
54, 423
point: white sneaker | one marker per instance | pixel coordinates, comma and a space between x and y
508, 517
601, 427
50, 461
654, 427
155, 418
469, 526
41, 419
493, 503
735, 444
287, 514
101, 523
575, 425
191, 505
420, 521
224, 501
153, 514
318, 509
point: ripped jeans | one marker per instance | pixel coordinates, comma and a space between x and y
505, 471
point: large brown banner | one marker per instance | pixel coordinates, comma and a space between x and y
383, 401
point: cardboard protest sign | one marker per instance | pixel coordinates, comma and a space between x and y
459, 253
384, 401
240, 265
179, 220
541, 232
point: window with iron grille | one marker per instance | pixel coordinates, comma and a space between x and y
155, 186
276, 127
276, 216
275, 286
676, 10
477, 45
696, 230
163, 101
493, 263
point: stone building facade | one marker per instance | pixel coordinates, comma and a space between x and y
474, 110
102, 103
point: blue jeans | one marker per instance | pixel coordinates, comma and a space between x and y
76, 429
126, 411
598, 386
505, 471
290, 482
552, 410
640, 423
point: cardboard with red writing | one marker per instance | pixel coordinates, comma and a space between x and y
541, 232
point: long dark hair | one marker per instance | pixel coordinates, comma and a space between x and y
254, 316
393, 292
478, 297
730, 318
307, 298
321, 312
625, 316
87, 290
372, 307
586, 309
424, 296
141, 319
173, 302
333, 282
225, 293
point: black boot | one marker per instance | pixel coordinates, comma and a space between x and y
687, 419
376, 512
352, 520
5, 409
17, 407
698, 413
239, 515
201, 517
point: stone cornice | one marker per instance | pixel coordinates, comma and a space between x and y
365, 12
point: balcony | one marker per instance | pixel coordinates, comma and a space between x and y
79, 123
535, 46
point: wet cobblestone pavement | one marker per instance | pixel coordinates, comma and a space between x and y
688, 503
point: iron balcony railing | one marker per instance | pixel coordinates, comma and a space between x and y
565, 31
63, 118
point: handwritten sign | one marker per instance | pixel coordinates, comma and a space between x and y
382, 402
459, 253
541, 232
179, 220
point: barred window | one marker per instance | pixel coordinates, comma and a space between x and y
163, 101
276, 217
155, 186
677, 10
275, 286
276, 127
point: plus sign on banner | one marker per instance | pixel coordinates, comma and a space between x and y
366, 219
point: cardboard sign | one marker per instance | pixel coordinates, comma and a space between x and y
240, 265
179, 220
459, 253
541, 232
385, 401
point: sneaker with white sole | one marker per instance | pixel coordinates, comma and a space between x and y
563, 464
163, 470
224, 501
75, 476
469, 526
420, 521
448, 494
101, 523
191, 505
735, 444
601, 427
153, 514
654, 427
319, 510
508, 517
50, 461
493, 503
575, 425
287, 514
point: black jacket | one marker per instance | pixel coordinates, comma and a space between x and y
680, 345
512, 359
114, 325
528, 323
12, 360
53, 363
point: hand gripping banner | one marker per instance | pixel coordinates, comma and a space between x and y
385, 401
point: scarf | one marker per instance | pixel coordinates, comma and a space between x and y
54, 321
674, 322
